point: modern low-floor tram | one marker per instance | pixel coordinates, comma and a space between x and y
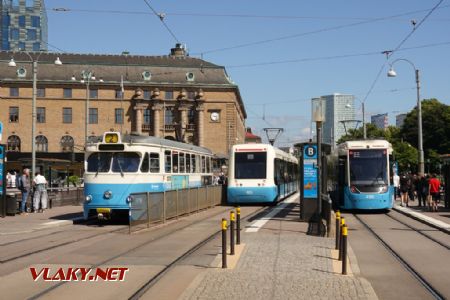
260, 173
362, 173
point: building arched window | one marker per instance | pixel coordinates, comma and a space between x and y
41, 143
67, 143
13, 143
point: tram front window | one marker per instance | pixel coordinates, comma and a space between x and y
250, 165
368, 167
99, 162
125, 162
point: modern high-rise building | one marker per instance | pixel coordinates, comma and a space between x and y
339, 117
23, 25
380, 120
399, 119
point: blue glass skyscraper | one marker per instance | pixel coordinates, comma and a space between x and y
23, 25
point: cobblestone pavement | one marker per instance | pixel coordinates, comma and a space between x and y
281, 262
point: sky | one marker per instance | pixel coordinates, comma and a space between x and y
280, 53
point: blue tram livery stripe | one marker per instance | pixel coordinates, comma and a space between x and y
368, 201
120, 192
251, 194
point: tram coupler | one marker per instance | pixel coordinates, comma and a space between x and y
340, 239
232, 221
344, 250
338, 222
238, 225
224, 243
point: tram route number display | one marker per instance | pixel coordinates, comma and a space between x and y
310, 171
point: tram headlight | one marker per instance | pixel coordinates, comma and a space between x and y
384, 189
129, 199
88, 198
354, 190
107, 194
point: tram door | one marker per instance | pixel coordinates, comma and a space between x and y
342, 162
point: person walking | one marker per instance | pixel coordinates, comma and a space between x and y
396, 181
404, 189
422, 191
24, 186
40, 192
434, 189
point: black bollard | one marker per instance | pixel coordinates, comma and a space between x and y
338, 222
224, 243
238, 226
344, 250
232, 221
340, 240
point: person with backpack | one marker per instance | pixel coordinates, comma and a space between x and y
23, 184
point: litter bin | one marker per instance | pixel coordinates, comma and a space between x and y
11, 204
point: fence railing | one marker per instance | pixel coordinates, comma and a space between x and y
149, 208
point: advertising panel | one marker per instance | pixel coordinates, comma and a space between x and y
310, 171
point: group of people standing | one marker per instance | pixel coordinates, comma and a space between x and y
37, 189
425, 188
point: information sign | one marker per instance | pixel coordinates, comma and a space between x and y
310, 171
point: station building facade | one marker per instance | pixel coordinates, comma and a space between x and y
172, 96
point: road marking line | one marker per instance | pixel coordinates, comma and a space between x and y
258, 224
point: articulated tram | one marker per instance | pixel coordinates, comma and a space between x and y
260, 173
118, 166
362, 172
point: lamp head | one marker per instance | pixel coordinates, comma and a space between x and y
348, 105
12, 63
391, 73
58, 62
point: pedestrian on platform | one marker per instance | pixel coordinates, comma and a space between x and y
404, 189
40, 192
412, 187
396, 180
422, 191
23, 184
434, 188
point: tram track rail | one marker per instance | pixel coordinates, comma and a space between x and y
149, 283
408, 267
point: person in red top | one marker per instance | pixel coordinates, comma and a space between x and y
434, 185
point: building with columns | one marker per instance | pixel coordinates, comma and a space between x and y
172, 96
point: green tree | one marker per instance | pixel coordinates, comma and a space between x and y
435, 127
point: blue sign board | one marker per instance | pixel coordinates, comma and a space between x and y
2, 163
310, 171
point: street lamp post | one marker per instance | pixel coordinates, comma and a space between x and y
363, 117
392, 73
34, 61
318, 112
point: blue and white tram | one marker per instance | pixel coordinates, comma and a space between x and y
260, 173
118, 166
363, 175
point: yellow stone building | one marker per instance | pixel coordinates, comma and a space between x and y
172, 96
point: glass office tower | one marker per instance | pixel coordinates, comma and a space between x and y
23, 25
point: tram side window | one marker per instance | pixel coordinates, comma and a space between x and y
168, 162
126, 162
203, 164
188, 163
194, 163
144, 166
154, 162
99, 162
208, 165
175, 162
182, 163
